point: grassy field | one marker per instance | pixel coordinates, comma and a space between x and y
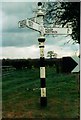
19, 102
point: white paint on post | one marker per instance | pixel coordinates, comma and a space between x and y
42, 72
42, 52
41, 44
41, 29
77, 60
43, 92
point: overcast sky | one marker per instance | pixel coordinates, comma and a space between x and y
23, 43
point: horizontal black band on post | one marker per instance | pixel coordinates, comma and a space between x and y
42, 62
40, 15
41, 39
43, 82
41, 46
43, 101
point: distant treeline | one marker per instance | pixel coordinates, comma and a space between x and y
63, 65
27, 63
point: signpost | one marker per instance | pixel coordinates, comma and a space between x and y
39, 26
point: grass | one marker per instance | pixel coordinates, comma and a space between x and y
62, 95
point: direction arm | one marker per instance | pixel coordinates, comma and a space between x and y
58, 31
30, 24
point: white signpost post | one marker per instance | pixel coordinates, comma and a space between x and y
39, 26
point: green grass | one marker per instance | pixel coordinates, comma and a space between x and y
62, 95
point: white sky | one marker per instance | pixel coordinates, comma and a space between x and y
23, 43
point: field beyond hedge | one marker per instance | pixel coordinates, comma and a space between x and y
21, 95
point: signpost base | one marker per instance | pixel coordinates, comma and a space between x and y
43, 101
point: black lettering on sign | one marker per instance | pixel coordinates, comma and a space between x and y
55, 32
50, 30
22, 23
30, 23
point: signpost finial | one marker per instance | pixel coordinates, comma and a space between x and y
39, 3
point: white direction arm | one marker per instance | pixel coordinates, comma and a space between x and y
32, 25
29, 23
58, 31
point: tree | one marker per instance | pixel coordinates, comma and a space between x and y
65, 13
51, 54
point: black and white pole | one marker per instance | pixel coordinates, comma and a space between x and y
41, 40
43, 99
